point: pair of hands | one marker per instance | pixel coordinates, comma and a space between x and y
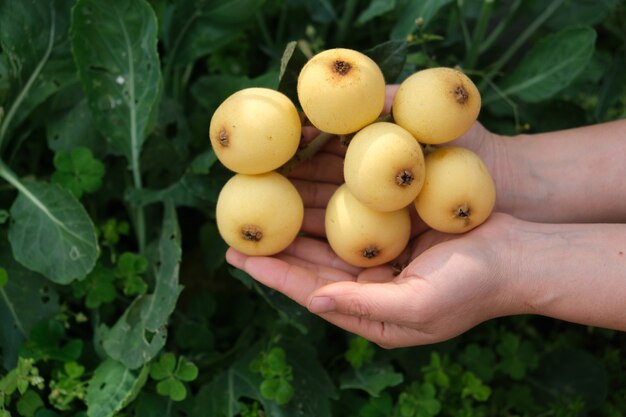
449, 283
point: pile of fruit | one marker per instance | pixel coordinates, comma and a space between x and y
386, 170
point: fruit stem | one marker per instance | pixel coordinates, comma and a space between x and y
306, 152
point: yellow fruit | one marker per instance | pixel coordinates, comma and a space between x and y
341, 90
362, 236
384, 167
259, 214
458, 193
255, 130
436, 105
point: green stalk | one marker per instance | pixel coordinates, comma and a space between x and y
519, 41
466, 35
502, 24
479, 34
345, 22
265, 33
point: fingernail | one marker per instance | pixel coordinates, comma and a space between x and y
321, 305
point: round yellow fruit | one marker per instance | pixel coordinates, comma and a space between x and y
255, 130
436, 105
384, 166
259, 214
362, 236
341, 90
458, 193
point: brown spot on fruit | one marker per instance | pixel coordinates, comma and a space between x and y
460, 94
341, 67
251, 232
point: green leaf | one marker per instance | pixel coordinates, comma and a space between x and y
374, 9
112, 387
114, 46
474, 387
33, 38
75, 128
371, 378
291, 64
390, 57
481, 361
129, 267
140, 333
25, 299
517, 356
571, 373
187, 370
51, 233
173, 388
4, 277
360, 351
29, 403
200, 27
413, 10
78, 171
97, 288
550, 66
164, 367
579, 12
48, 341
321, 11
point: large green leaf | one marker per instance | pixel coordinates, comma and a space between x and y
413, 10
25, 299
198, 27
34, 41
51, 233
551, 65
112, 387
115, 48
141, 332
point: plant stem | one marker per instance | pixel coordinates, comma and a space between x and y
502, 24
265, 33
9, 176
479, 34
464, 30
345, 22
530, 30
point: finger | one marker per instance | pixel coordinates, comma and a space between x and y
319, 252
292, 280
323, 167
385, 302
313, 222
390, 93
314, 194
385, 334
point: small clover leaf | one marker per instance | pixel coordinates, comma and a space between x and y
359, 352
170, 373
112, 230
474, 387
129, 268
518, 356
97, 288
277, 375
78, 171
419, 401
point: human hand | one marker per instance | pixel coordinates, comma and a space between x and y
450, 284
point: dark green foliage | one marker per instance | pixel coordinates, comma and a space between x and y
115, 299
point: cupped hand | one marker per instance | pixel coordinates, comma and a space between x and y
451, 283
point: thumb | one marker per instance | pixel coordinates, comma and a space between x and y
386, 302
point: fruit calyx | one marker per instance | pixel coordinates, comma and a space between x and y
460, 94
251, 232
404, 177
463, 212
223, 137
341, 67
370, 252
